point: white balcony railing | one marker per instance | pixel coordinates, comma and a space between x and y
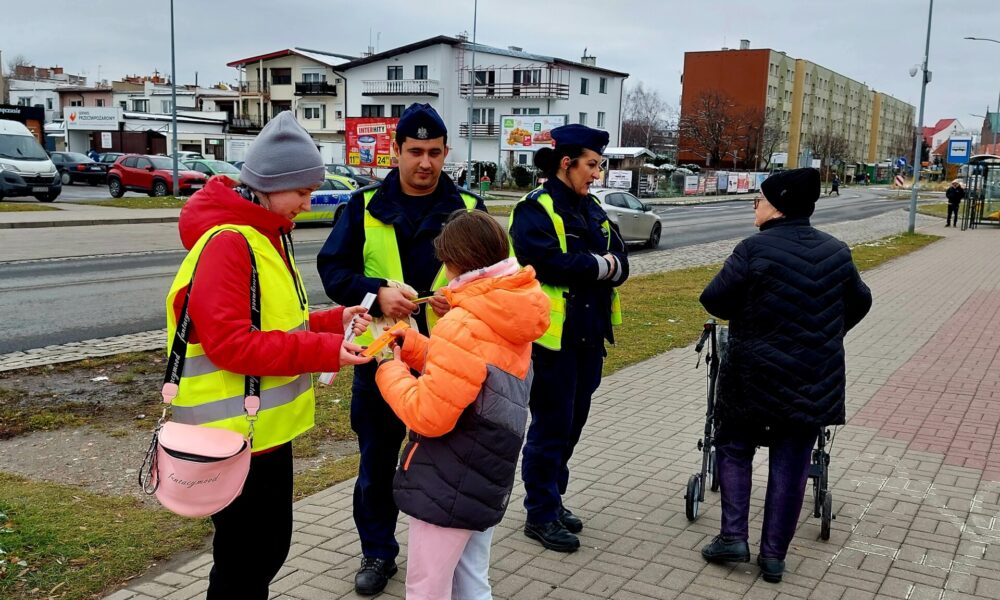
401, 87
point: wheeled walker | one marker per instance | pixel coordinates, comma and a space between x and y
819, 472
716, 338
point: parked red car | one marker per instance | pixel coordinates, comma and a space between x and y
152, 175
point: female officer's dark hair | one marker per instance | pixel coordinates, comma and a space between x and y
548, 159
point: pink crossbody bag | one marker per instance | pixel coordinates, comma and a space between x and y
196, 471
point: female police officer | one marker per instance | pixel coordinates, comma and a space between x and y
579, 257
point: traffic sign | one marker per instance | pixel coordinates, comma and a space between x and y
900, 162
899, 181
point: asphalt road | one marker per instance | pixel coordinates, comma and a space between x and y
687, 225
61, 300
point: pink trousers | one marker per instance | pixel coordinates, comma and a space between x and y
447, 564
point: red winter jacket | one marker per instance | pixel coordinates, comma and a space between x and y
220, 300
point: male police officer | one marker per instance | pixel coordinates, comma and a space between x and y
387, 234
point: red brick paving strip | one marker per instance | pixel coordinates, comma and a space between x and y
946, 398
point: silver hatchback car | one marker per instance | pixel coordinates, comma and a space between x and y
636, 221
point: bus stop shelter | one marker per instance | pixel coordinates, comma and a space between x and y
982, 191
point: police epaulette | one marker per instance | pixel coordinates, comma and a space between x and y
360, 192
369, 187
462, 190
535, 193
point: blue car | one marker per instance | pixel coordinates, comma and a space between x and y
329, 200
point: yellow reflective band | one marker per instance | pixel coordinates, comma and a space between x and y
227, 408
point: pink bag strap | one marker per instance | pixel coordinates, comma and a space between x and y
178, 350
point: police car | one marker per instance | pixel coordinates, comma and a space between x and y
329, 200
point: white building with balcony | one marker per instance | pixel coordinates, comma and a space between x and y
304, 81
440, 71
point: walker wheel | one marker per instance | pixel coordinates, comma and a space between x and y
827, 517
691, 502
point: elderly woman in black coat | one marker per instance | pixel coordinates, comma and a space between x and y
790, 293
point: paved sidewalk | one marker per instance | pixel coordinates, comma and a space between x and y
915, 489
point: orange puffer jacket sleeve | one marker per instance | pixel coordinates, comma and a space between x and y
431, 404
415, 349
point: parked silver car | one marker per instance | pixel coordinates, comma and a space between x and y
637, 221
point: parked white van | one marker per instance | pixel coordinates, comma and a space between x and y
25, 168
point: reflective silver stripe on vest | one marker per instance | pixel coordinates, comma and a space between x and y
233, 407
201, 365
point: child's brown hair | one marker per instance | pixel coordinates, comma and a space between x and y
471, 240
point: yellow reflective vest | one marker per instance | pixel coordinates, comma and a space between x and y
213, 397
552, 338
382, 261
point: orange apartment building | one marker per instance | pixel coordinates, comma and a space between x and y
799, 96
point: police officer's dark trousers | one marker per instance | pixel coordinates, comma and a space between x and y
380, 436
253, 534
789, 457
564, 382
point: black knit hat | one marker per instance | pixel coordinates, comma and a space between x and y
793, 192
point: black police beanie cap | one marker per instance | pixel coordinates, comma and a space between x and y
793, 192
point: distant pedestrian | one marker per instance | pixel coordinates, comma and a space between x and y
955, 195
92, 154
835, 185
790, 293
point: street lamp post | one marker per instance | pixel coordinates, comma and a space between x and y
173, 96
472, 95
925, 77
994, 147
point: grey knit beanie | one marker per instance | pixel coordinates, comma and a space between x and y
283, 157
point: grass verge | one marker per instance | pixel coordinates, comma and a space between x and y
24, 207
60, 542
74, 544
934, 210
500, 210
662, 312
132, 202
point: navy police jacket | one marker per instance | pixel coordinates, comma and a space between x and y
588, 300
791, 293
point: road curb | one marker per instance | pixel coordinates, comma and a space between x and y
87, 222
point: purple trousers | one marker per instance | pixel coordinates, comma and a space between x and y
789, 457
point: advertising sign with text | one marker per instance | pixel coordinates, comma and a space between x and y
369, 141
527, 133
92, 119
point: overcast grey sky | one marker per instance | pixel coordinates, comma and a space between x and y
874, 41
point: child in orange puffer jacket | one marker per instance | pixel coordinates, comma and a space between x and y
467, 410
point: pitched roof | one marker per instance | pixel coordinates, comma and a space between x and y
451, 41
330, 59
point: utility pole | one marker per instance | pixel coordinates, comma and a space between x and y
173, 97
925, 78
472, 95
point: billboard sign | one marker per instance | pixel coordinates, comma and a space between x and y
369, 141
527, 133
620, 179
92, 119
690, 185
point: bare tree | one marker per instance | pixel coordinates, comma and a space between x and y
646, 117
758, 136
19, 60
710, 127
829, 146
